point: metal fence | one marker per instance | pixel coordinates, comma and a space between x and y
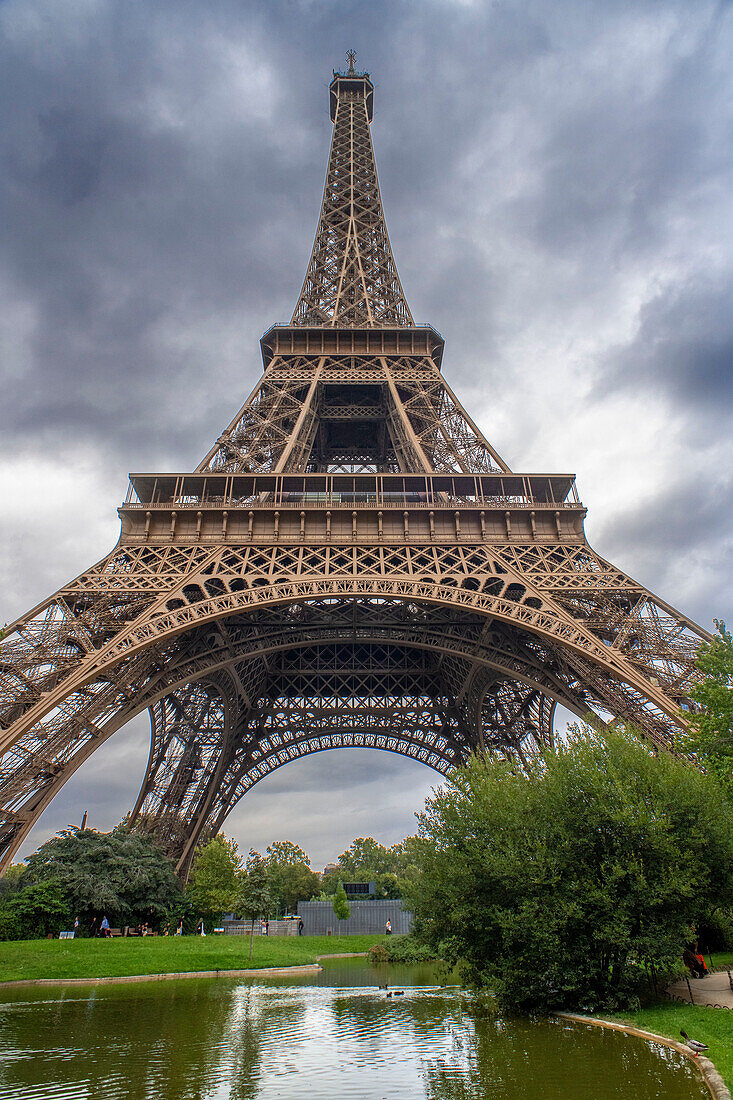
275, 927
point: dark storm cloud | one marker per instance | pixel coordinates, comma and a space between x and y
158, 166
557, 185
147, 195
683, 349
678, 539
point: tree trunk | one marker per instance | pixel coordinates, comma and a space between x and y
251, 938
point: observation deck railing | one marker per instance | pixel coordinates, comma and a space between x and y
379, 491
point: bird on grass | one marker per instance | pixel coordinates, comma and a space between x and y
693, 1044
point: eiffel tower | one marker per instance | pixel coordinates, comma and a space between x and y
351, 564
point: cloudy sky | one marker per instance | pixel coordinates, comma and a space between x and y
557, 184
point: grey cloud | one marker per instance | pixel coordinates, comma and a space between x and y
138, 212
673, 541
544, 168
683, 349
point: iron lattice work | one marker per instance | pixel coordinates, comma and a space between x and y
352, 279
351, 565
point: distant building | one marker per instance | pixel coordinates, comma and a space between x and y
367, 918
359, 890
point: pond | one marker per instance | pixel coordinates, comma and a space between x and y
322, 1036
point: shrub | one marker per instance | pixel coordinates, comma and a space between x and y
407, 949
341, 907
34, 912
377, 955
550, 885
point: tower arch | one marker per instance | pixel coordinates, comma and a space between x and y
352, 559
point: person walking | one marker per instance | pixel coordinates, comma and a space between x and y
179, 929
388, 927
301, 926
201, 931
104, 928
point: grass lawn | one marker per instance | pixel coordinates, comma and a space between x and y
713, 1026
164, 954
722, 959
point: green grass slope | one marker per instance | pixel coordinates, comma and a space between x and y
22, 959
713, 1026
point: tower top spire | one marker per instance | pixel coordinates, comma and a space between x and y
352, 279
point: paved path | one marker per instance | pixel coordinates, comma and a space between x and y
713, 990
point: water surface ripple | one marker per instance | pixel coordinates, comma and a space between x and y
342, 1037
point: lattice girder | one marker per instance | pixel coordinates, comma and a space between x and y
235, 578
373, 696
247, 577
427, 427
351, 506
352, 278
154, 671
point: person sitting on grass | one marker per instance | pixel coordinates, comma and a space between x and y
694, 963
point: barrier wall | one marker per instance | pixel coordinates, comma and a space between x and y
367, 918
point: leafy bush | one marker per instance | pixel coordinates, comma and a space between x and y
715, 933
34, 912
407, 949
377, 955
550, 885
11, 881
709, 735
214, 884
290, 875
341, 907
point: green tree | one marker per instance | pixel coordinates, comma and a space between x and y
290, 875
120, 874
285, 853
549, 884
710, 734
255, 894
407, 856
11, 881
34, 912
368, 861
367, 855
341, 907
329, 882
213, 886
